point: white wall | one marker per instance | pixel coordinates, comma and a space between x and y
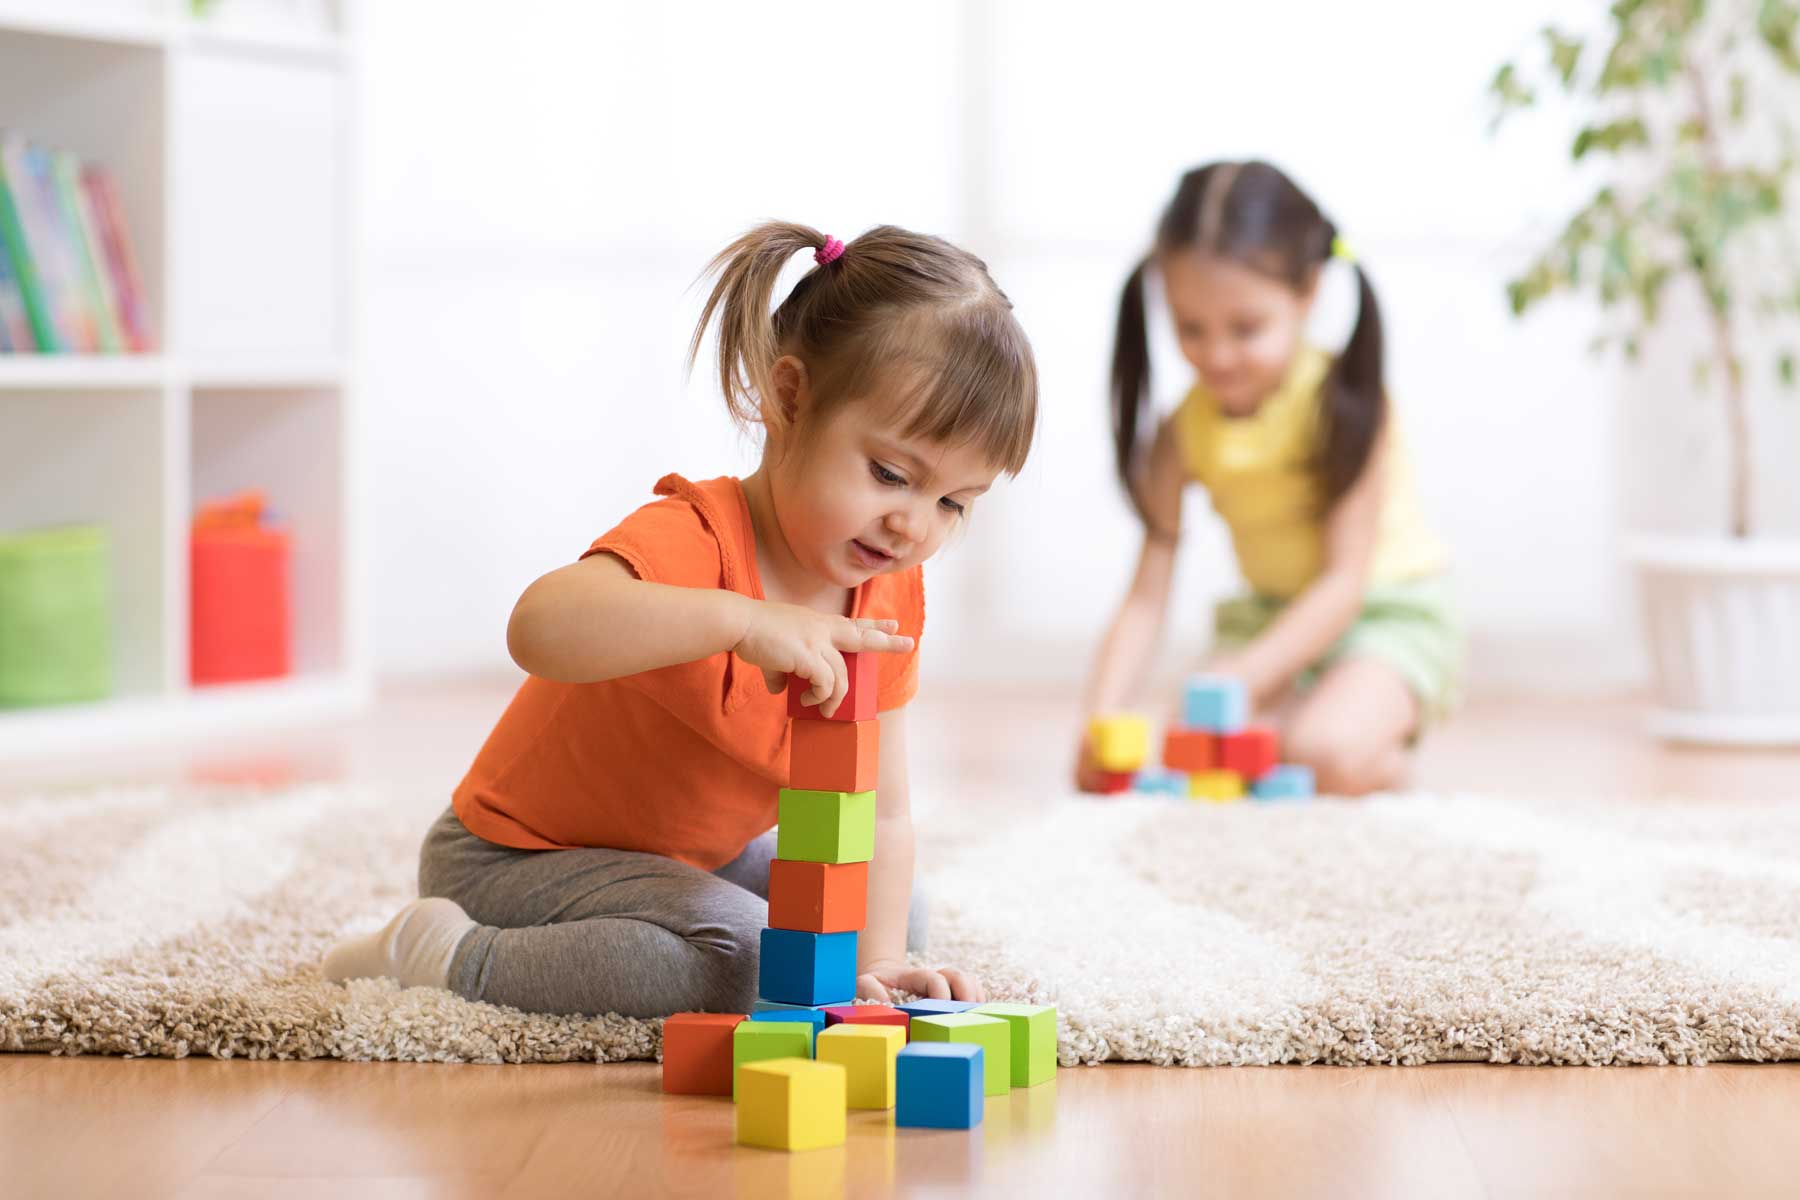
542, 191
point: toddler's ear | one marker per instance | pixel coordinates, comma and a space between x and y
789, 394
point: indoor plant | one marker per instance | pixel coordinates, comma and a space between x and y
1682, 107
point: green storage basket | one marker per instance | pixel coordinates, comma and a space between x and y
55, 616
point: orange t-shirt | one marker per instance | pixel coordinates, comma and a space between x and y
682, 761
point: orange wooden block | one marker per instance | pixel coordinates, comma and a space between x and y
818, 897
697, 1053
833, 756
859, 702
1190, 750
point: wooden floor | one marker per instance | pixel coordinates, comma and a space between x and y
203, 1128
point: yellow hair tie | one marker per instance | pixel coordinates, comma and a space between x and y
1341, 249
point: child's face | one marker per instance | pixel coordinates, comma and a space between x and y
858, 498
1238, 327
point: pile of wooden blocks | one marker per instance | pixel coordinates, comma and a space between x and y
807, 1052
1213, 753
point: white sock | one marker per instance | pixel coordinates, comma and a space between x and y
414, 949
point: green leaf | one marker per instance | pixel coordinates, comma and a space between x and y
1737, 97
1785, 368
1776, 22
1611, 137
1565, 54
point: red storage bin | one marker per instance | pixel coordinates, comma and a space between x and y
239, 602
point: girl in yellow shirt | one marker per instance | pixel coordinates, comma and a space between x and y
1349, 637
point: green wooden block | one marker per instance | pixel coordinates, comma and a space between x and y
826, 827
758, 1041
1033, 1040
992, 1034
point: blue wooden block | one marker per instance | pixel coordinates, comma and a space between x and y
1289, 781
935, 1008
810, 1016
1160, 781
808, 968
938, 1085
778, 1006
1215, 704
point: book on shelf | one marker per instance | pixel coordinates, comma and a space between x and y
69, 281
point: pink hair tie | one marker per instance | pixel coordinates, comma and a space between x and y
830, 252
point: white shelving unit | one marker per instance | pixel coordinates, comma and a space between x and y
231, 142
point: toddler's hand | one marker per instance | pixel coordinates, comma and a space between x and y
942, 983
1087, 768
789, 639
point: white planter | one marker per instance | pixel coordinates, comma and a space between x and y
1723, 620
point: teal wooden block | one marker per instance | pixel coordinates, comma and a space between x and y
1033, 1040
825, 827
807, 968
1160, 781
756, 1041
992, 1034
1289, 781
1214, 703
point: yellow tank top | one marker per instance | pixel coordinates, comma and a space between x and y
1260, 472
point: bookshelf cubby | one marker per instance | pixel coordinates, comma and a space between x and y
232, 148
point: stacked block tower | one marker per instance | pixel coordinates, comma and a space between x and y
807, 1051
1213, 753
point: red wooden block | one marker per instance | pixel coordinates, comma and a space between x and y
818, 897
1252, 753
697, 1053
1114, 781
1190, 750
868, 1014
859, 701
833, 756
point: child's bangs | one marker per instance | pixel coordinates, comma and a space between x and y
979, 389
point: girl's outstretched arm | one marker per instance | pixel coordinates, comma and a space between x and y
1319, 615
1136, 629
881, 949
594, 620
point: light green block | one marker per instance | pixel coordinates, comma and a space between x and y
1033, 1040
759, 1041
826, 827
992, 1034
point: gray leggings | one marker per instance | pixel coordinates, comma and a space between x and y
599, 931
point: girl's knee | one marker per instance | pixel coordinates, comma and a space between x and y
1342, 763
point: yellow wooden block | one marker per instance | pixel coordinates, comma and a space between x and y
790, 1104
1217, 786
867, 1053
1120, 741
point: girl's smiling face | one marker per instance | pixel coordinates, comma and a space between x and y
857, 497
1238, 327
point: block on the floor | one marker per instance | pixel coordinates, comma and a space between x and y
939, 1085
779, 1006
868, 1014
992, 1034
834, 756
1119, 741
818, 897
866, 1052
1217, 786
1111, 783
696, 1055
758, 1041
1160, 781
1287, 781
934, 1008
864, 673
1190, 750
1251, 752
814, 1018
825, 827
807, 968
791, 1104
1217, 704
1033, 1040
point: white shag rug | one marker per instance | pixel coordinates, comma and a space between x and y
1403, 929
